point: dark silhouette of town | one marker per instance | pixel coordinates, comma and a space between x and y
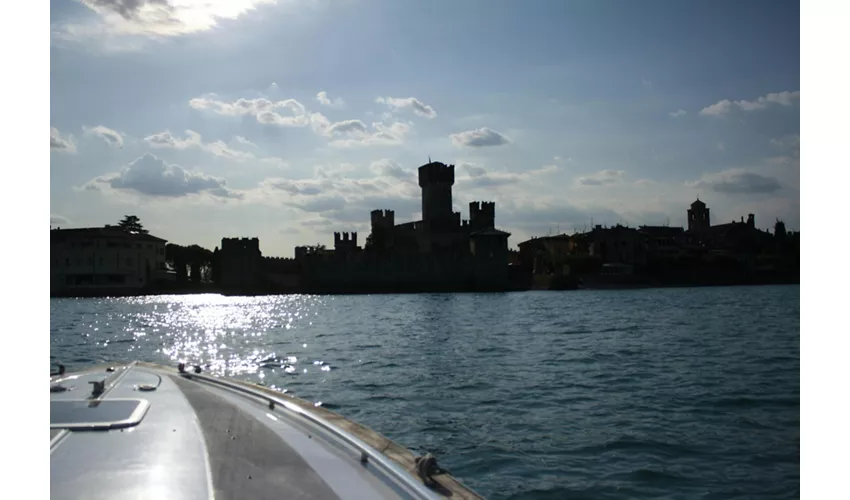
440, 253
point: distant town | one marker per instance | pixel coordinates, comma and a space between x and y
440, 253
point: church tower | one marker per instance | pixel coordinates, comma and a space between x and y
698, 216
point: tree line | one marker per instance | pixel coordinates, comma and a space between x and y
192, 264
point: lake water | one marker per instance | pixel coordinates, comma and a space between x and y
669, 393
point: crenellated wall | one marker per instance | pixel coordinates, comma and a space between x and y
482, 214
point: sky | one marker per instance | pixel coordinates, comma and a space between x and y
288, 120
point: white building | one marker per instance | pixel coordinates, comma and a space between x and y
105, 258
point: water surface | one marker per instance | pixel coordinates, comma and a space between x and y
672, 393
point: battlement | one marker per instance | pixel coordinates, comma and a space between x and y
345, 239
482, 214
383, 218
436, 173
240, 244
278, 259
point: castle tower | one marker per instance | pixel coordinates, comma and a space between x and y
698, 216
482, 215
436, 180
345, 242
383, 222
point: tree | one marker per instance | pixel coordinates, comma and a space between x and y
176, 255
215, 266
131, 223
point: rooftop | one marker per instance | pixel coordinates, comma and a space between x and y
100, 232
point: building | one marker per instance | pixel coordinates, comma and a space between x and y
241, 262
244, 269
441, 230
698, 216
105, 258
733, 238
663, 242
618, 245
546, 254
441, 250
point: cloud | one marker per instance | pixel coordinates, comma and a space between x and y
725, 106
400, 103
380, 134
345, 194
678, 113
602, 178
149, 175
59, 143
242, 140
58, 220
263, 110
346, 127
159, 18
110, 136
166, 139
478, 177
536, 218
323, 99
478, 138
737, 181
790, 148
391, 169
350, 133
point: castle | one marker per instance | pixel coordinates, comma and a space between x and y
440, 252
441, 232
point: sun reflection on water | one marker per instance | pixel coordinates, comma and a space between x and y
219, 333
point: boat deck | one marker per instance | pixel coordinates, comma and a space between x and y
155, 433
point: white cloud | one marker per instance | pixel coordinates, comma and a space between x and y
737, 181
478, 138
380, 134
166, 139
678, 113
264, 110
350, 132
389, 168
343, 195
149, 175
158, 18
725, 106
602, 178
56, 220
111, 137
346, 127
790, 149
418, 107
478, 177
242, 140
324, 100
63, 144
717, 109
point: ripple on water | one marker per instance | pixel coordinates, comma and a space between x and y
631, 394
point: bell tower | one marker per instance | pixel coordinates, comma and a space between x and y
698, 216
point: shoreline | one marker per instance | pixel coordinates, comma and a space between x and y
103, 293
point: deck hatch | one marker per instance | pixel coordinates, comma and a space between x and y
93, 414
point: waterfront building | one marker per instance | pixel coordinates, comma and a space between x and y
105, 258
